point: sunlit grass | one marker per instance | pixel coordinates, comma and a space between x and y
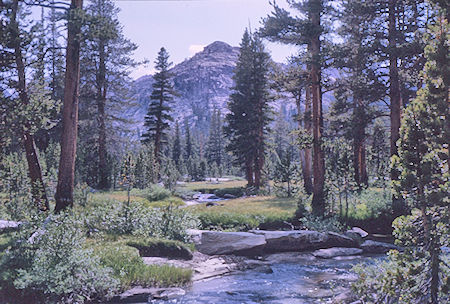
246, 212
213, 185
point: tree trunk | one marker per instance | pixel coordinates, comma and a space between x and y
249, 172
359, 149
101, 116
66, 173
34, 169
306, 153
318, 202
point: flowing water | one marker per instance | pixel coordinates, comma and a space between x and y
317, 281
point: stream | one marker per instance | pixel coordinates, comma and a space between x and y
317, 281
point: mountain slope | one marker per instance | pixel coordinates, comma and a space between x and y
202, 82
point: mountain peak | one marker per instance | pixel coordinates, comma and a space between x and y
218, 47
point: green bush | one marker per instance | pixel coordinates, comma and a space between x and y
130, 269
138, 219
48, 259
237, 192
161, 248
321, 224
239, 222
153, 193
371, 204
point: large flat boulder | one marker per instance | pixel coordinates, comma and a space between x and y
297, 240
302, 240
239, 243
336, 251
6, 226
334, 239
377, 247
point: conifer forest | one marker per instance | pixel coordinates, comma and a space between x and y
232, 176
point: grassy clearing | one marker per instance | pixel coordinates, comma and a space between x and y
130, 269
246, 213
212, 185
161, 248
121, 196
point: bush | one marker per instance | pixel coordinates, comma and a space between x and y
47, 259
130, 269
237, 192
240, 222
138, 219
161, 248
321, 224
153, 193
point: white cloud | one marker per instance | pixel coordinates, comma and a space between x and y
195, 48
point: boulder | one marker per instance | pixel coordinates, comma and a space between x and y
377, 247
239, 243
6, 226
297, 240
211, 204
169, 293
229, 196
334, 239
359, 231
336, 251
302, 240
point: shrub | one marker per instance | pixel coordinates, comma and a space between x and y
153, 193
161, 248
237, 192
120, 218
48, 259
130, 269
238, 222
321, 224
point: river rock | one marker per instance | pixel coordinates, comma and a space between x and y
169, 293
297, 240
360, 231
377, 247
6, 226
336, 251
301, 240
239, 243
229, 196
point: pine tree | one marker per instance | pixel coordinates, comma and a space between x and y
106, 62
215, 146
158, 115
307, 30
423, 155
30, 110
188, 140
247, 122
66, 171
361, 86
176, 150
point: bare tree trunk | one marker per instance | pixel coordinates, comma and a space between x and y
101, 104
34, 169
66, 173
318, 202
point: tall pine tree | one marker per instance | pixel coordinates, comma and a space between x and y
247, 122
159, 110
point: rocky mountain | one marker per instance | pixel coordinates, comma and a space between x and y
203, 82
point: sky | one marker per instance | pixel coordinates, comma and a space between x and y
184, 27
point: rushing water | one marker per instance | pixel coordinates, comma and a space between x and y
316, 281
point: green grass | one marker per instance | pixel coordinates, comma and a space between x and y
208, 185
161, 248
246, 213
130, 269
121, 196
